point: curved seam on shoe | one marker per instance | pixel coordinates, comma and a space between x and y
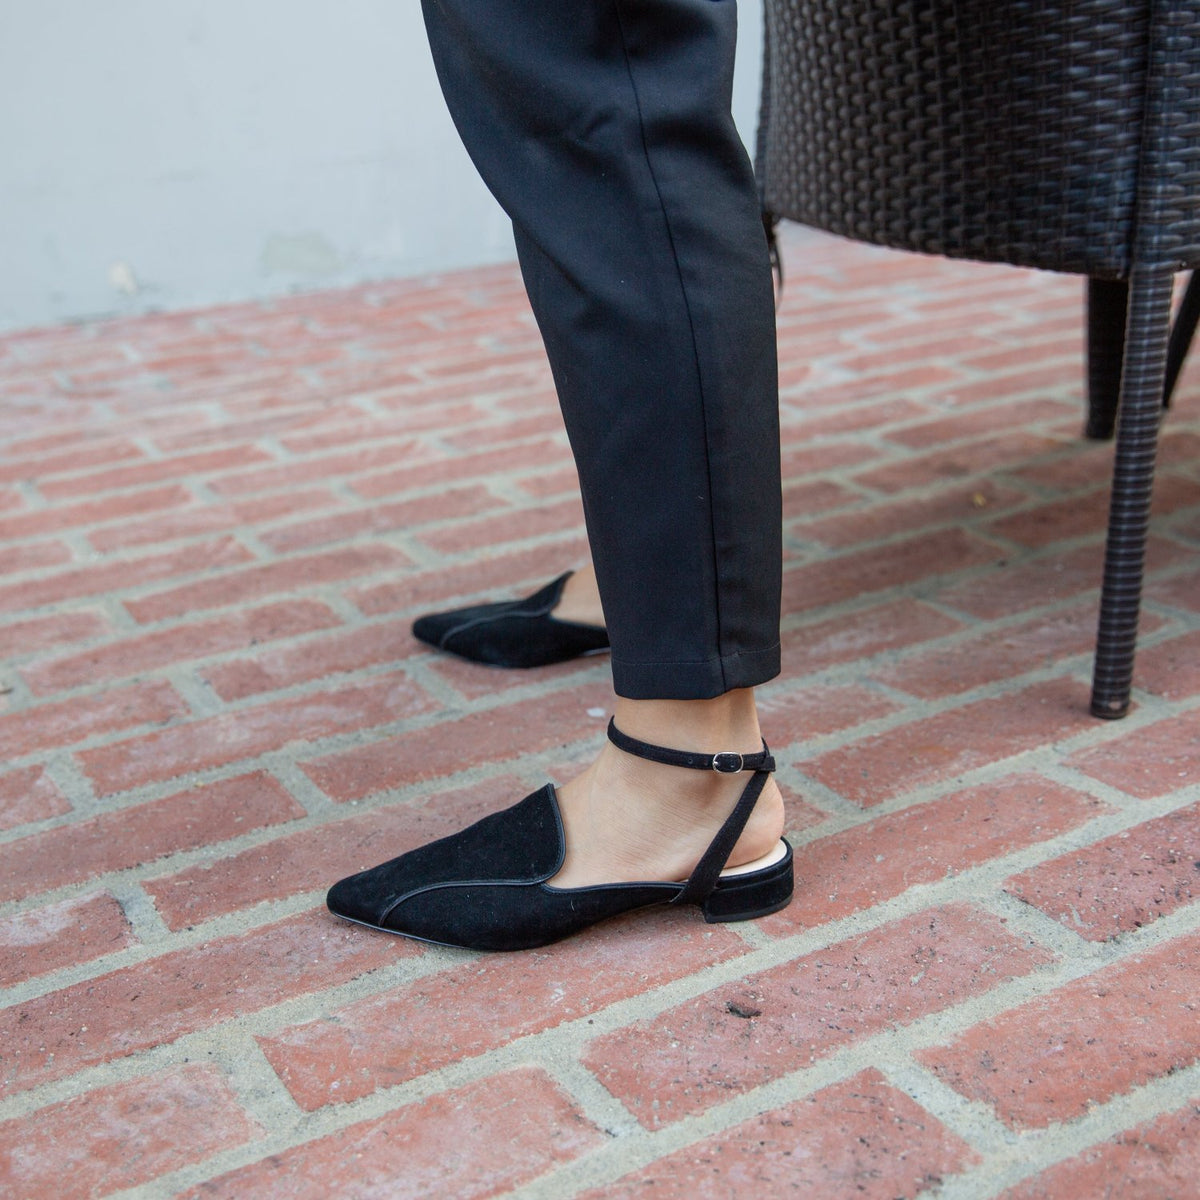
460, 883
543, 615
562, 857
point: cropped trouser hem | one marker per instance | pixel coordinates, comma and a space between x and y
694, 680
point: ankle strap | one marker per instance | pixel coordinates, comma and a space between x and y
724, 763
704, 878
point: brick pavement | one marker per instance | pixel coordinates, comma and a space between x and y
215, 529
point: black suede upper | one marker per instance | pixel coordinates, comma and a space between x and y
485, 888
521, 844
513, 633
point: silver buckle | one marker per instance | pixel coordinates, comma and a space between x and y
727, 763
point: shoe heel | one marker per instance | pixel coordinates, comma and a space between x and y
754, 894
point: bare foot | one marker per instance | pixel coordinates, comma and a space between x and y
627, 819
580, 599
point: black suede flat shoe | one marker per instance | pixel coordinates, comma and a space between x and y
486, 888
513, 633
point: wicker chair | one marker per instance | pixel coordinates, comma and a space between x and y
1059, 134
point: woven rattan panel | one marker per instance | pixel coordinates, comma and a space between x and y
1002, 130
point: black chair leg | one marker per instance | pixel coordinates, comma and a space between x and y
1139, 413
1107, 301
1181, 335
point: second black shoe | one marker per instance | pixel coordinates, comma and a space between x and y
513, 633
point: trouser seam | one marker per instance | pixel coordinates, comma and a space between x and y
712, 532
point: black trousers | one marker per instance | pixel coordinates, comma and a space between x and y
603, 128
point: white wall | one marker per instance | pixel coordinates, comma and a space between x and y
165, 153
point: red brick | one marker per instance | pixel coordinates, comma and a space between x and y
480, 1140
78, 458
147, 652
90, 512
40, 633
121, 1136
809, 386
1148, 762
1018, 583
1171, 669
1048, 342
68, 721
203, 518
1052, 1058
462, 468
516, 525
703, 1052
510, 429
33, 556
302, 472
127, 837
353, 427
859, 573
494, 1000
976, 421
249, 732
473, 683
938, 748
496, 735
860, 1138
789, 716
1082, 465
284, 666
486, 362
450, 504
237, 424
153, 472
808, 458
1122, 882
918, 377
503, 577
29, 795
953, 505
1079, 515
1181, 591
931, 341
256, 509
243, 422
412, 391
999, 452
873, 862
182, 991
814, 495
860, 635
60, 935
258, 582
314, 858
1159, 1160
118, 575
554, 481
994, 654
1187, 527
1179, 446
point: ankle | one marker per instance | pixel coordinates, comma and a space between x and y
627, 819
580, 599
728, 722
